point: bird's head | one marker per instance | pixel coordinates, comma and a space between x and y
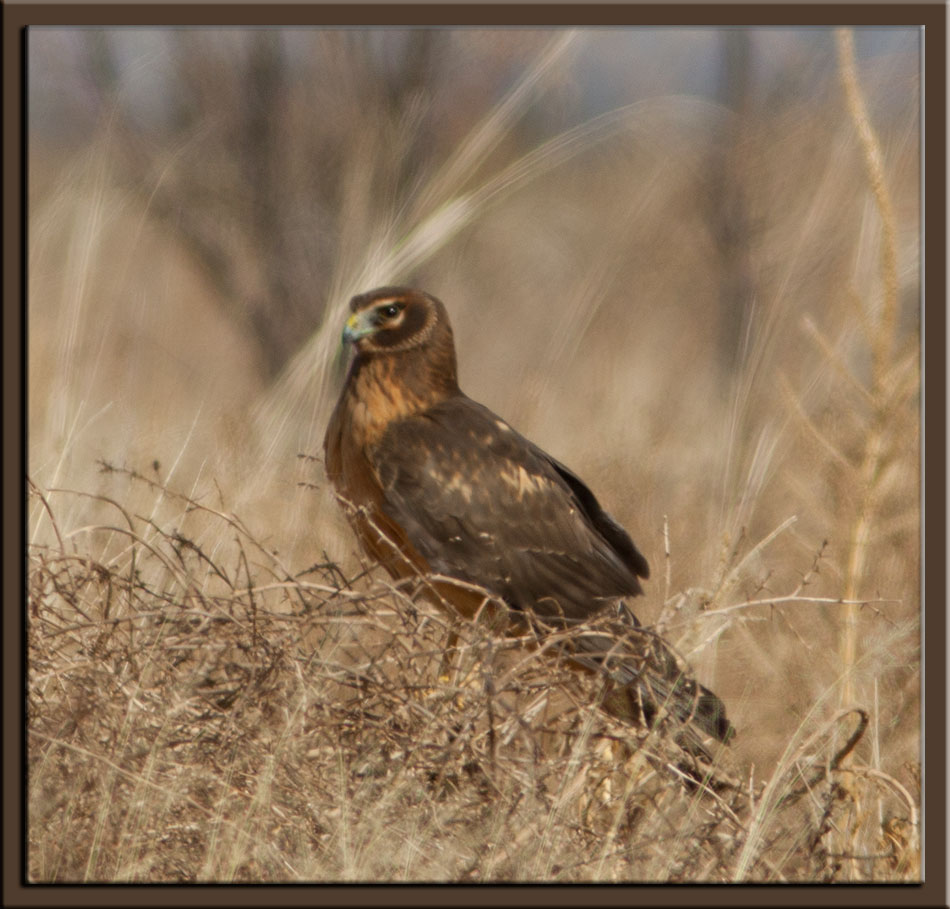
393, 319
406, 327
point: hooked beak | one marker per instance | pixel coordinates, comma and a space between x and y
357, 326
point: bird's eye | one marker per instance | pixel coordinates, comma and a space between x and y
391, 310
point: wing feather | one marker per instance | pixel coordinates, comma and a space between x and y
485, 505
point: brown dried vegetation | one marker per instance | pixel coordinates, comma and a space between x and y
198, 712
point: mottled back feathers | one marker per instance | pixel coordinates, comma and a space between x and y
481, 503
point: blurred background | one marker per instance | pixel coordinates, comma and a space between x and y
664, 259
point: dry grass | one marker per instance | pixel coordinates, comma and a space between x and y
220, 690
199, 713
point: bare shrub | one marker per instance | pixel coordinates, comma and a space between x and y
198, 712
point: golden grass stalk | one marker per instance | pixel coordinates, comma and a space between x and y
882, 342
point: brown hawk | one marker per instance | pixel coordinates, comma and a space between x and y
435, 484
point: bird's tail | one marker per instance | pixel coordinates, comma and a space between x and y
648, 684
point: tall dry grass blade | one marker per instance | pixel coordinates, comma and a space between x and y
874, 164
882, 344
485, 136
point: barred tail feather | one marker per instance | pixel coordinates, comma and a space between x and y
649, 684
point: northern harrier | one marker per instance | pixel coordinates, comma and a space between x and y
435, 484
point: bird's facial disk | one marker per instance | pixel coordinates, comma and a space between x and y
382, 316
